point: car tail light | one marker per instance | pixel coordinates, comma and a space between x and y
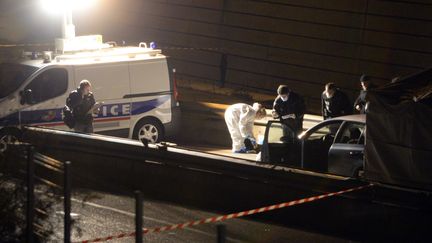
175, 90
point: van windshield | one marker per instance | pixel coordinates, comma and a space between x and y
12, 76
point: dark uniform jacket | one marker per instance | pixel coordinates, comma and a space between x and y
290, 111
80, 106
338, 105
361, 101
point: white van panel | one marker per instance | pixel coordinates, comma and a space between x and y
109, 81
113, 115
149, 77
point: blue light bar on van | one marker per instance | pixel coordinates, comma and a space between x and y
153, 45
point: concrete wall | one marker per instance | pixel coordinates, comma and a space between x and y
300, 43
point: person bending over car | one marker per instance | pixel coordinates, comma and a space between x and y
334, 102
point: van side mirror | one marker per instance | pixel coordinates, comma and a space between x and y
27, 97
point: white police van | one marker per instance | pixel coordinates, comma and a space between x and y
135, 84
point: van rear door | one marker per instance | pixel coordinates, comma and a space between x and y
150, 90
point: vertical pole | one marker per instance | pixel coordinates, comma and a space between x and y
221, 233
69, 17
68, 29
70, 26
30, 194
138, 217
67, 202
64, 25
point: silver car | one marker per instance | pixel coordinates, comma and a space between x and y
333, 146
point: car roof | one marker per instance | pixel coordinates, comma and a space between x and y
361, 118
354, 118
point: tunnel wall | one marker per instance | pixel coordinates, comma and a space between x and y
304, 44
300, 43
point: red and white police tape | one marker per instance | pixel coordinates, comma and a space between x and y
229, 216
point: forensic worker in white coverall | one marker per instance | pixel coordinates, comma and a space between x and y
240, 120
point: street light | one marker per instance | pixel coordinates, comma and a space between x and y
66, 7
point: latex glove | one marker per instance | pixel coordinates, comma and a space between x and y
253, 141
289, 116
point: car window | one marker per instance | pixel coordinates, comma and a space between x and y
280, 133
351, 133
328, 130
275, 133
49, 84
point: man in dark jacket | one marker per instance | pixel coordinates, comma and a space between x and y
360, 103
81, 102
334, 102
289, 107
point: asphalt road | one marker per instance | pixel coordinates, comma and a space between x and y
100, 214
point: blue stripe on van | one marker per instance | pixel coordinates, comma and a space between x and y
145, 106
107, 111
41, 116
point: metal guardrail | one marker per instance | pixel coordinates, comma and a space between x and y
31, 158
26, 153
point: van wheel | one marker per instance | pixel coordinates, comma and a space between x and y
149, 129
8, 136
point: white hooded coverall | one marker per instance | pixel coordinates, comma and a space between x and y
240, 120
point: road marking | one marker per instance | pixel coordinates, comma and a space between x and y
229, 216
119, 211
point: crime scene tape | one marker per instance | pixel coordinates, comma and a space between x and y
228, 216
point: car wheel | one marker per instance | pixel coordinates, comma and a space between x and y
149, 129
8, 136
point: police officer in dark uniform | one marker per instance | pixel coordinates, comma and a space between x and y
289, 107
334, 102
360, 103
81, 102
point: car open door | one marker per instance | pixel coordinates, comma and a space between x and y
346, 154
281, 145
316, 144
